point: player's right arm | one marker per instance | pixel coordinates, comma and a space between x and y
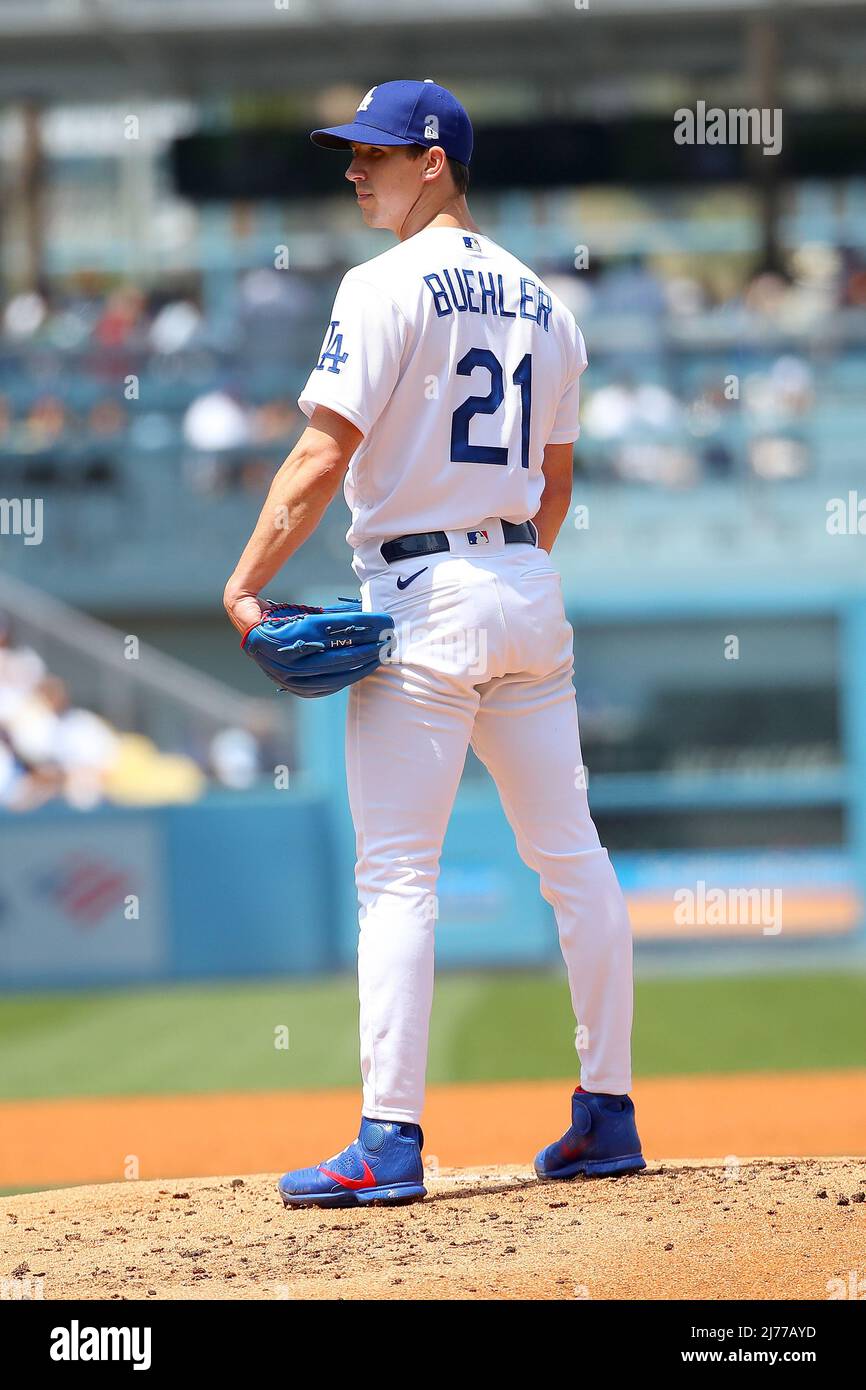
558, 470
295, 504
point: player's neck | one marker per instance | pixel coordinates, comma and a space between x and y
454, 213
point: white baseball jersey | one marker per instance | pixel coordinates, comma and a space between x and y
458, 365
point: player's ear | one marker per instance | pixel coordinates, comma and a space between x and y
436, 158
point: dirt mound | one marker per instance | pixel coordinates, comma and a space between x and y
761, 1228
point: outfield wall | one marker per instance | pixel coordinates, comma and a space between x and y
264, 886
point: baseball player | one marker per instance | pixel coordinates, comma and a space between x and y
445, 399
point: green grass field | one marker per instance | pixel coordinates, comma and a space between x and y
486, 1026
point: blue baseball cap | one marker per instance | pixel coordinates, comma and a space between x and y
405, 113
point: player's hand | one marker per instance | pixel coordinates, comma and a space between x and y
244, 609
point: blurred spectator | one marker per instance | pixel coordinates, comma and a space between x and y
765, 295
853, 293
216, 421
21, 670
214, 424
71, 326
791, 384
784, 391
664, 464
718, 459
275, 295
106, 419
46, 423
234, 757
624, 406
11, 771
44, 729
140, 775
685, 296
706, 418
121, 316
175, 326
778, 457
24, 788
51, 749
24, 315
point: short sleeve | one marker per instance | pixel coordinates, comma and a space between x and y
359, 362
566, 424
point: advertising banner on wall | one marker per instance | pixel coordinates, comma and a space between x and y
695, 896
83, 896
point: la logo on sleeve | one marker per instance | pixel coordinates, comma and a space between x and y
333, 349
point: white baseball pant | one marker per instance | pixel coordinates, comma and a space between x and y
483, 655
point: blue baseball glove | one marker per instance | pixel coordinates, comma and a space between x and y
317, 651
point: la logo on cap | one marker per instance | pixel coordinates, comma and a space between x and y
367, 99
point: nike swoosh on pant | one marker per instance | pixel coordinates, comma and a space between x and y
404, 583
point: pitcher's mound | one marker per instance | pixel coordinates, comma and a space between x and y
748, 1228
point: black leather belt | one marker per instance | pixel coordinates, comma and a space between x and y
431, 542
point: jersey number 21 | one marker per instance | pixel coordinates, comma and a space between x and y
461, 450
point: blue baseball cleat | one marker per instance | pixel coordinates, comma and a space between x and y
602, 1140
382, 1165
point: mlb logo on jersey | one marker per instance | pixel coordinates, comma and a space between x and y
478, 537
472, 243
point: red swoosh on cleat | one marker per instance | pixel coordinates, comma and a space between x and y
368, 1180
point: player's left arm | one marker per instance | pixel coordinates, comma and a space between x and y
298, 497
558, 470
558, 465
